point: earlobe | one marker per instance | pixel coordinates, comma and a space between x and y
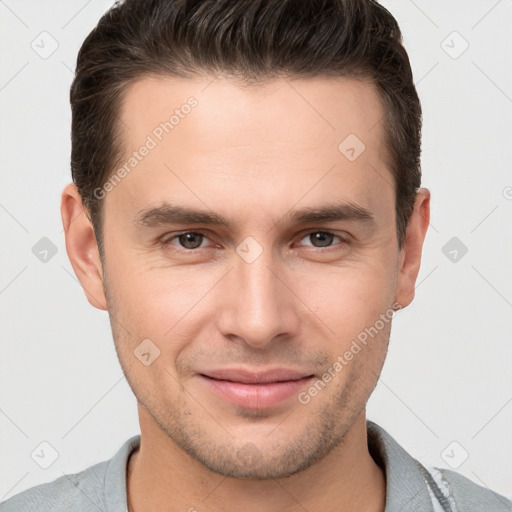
81, 246
410, 255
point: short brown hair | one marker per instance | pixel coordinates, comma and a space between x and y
250, 40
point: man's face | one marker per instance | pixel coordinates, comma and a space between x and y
271, 291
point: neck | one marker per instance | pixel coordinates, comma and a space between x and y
161, 476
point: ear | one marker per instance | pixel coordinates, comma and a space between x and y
410, 254
81, 246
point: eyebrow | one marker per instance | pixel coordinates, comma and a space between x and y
174, 214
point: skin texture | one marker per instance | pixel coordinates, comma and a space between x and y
253, 155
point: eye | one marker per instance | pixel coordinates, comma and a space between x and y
189, 240
321, 239
192, 240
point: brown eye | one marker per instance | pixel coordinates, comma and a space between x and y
321, 238
187, 240
190, 240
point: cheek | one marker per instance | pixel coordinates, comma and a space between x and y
162, 304
347, 299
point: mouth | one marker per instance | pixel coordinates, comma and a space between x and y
255, 390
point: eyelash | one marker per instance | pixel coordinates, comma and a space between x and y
167, 241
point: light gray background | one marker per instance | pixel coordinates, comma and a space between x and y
447, 376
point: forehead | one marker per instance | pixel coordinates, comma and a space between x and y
303, 110
213, 138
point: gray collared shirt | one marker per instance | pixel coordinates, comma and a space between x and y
409, 485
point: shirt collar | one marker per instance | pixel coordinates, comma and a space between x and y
116, 496
405, 487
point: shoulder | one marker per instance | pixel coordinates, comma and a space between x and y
78, 491
412, 486
468, 495
98, 488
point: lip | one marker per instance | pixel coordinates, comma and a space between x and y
255, 390
256, 377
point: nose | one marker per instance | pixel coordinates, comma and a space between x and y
257, 304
